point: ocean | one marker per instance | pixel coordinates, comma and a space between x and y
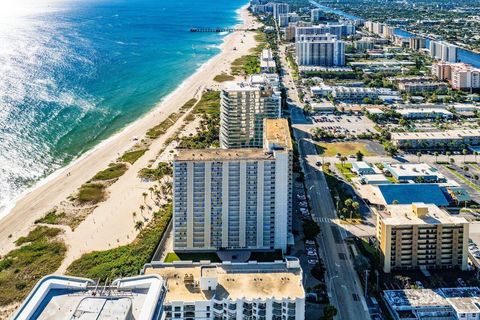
74, 72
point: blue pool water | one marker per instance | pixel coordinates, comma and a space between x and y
72, 73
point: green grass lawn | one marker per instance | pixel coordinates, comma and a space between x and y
38, 254
114, 171
132, 156
223, 77
52, 217
91, 192
346, 170
197, 256
344, 148
125, 260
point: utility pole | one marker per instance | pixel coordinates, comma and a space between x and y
366, 282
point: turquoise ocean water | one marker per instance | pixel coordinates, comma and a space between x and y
72, 73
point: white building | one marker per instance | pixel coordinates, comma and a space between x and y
319, 50
57, 297
425, 113
267, 62
339, 30
316, 15
179, 290
442, 303
243, 108
279, 9
453, 139
235, 199
236, 291
444, 51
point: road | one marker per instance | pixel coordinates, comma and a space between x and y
342, 282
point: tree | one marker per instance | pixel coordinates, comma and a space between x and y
318, 271
436, 156
452, 161
395, 202
329, 312
342, 160
310, 230
464, 152
355, 207
419, 155
139, 225
475, 153
359, 155
144, 196
476, 177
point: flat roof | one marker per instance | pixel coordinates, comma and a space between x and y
436, 135
407, 193
414, 298
463, 300
412, 170
62, 297
222, 154
404, 215
362, 165
277, 132
235, 281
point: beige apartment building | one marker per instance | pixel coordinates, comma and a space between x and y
421, 236
452, 139
235, 198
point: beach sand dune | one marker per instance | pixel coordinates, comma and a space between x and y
111, 223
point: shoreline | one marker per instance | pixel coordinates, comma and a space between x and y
6, 211
35, 201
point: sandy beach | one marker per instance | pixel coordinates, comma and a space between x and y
111, 223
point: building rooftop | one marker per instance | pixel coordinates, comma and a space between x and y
250, 280
277, 133
414, 298
407, 193
463, 300
62, 297
436, 135
413, 170
222, 154
418, 214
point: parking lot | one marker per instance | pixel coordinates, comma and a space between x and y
345, 124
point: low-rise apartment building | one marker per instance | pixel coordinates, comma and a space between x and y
237, 198
451, 139
421, 236
442, 303
234, 291
415, 87
267, 61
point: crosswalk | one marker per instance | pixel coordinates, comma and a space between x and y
326, 220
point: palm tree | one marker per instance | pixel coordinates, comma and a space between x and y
144, 196
448, 154
355, 207
151, 191
139, 225
464, 152
395, 202
419, 154
475, 153
142, 207
342, 160
134, 214
436, 156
